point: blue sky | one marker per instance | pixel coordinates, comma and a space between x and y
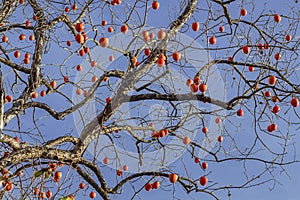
224, 173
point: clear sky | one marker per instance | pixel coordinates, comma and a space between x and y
230, 172
224, 173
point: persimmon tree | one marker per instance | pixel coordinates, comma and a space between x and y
122, 98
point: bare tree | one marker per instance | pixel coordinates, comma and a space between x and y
98, 100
